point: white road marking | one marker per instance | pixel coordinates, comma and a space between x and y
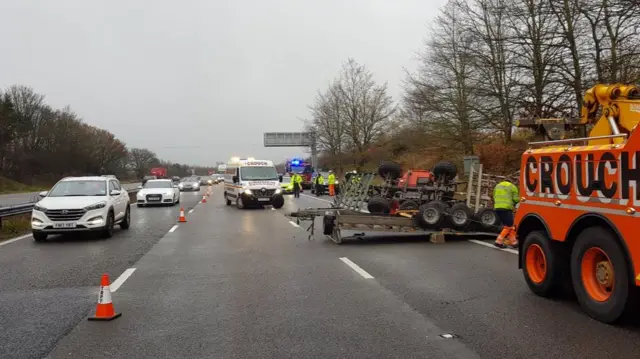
15, 239
134, 204
294, 224
490, 245
175, 226
123, 277
191, 211
356, 268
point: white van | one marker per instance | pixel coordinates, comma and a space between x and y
252, 182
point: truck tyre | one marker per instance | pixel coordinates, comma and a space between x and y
461, 216
409, 205
379, 205
432, 214
445, 168
239, 203
488, 219
126, 221
391, 169
278, 202
542, 265
328, 224
597, 263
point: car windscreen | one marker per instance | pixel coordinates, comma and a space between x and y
258, 173
79, 189
158, 184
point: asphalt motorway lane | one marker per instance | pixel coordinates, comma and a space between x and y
478, 293
7, 200
47, 288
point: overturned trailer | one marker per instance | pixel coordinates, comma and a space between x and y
472, 217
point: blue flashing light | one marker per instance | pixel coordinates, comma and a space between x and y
295, 162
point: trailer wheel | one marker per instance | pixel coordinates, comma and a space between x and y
542, 265
391, 169
409, 205
328, 223
488, 219
600, 275
379, 205
461, 216
432, 214
445, 168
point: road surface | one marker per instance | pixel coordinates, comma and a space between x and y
47, 288
7, 200
248, 284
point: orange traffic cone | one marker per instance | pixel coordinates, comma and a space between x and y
182, 219
204, 199
104, 309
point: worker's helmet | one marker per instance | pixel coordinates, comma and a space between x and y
354, 171
330, 171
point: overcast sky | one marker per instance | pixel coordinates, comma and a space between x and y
200, 80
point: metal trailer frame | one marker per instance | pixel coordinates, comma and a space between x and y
346, 213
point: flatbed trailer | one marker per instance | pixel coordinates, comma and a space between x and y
335, 220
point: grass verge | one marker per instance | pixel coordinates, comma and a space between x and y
15, 226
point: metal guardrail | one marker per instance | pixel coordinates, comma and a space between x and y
24, 208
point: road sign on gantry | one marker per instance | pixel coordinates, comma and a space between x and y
287, 139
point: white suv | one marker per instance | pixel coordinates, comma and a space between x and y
80, 204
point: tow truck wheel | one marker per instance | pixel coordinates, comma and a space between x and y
600, 275
278, 202
541, 265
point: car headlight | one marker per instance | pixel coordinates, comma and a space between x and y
278, 190
181, 185
39, 208
96, 206
248, 191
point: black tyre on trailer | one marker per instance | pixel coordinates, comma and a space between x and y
379, 205
461, 216
432, 215
390, 169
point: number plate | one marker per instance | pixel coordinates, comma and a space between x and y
65, 225
154, 198
264, 199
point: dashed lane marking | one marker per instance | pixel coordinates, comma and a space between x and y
121, 279
294, 224
356, 268
175, 226
191, 211
490, 245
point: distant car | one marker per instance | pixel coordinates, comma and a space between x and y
175, 179
81, 204
158, 191
190, 184
146, 178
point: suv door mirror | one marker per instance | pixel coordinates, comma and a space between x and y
280, 178
235, 179
43, 193
139, 187
115, 192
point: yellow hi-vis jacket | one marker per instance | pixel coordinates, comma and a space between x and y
297, 178
332, 178
505, 196
319, 179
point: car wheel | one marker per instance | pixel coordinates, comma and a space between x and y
239, 203
278, 202
39, 236
126, 222
107, 232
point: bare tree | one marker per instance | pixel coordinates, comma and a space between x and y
142, 160
365, 106
496, 76
442, 93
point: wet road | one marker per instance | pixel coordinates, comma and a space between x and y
47, 288
248, 284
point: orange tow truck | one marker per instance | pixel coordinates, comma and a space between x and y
578, 221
